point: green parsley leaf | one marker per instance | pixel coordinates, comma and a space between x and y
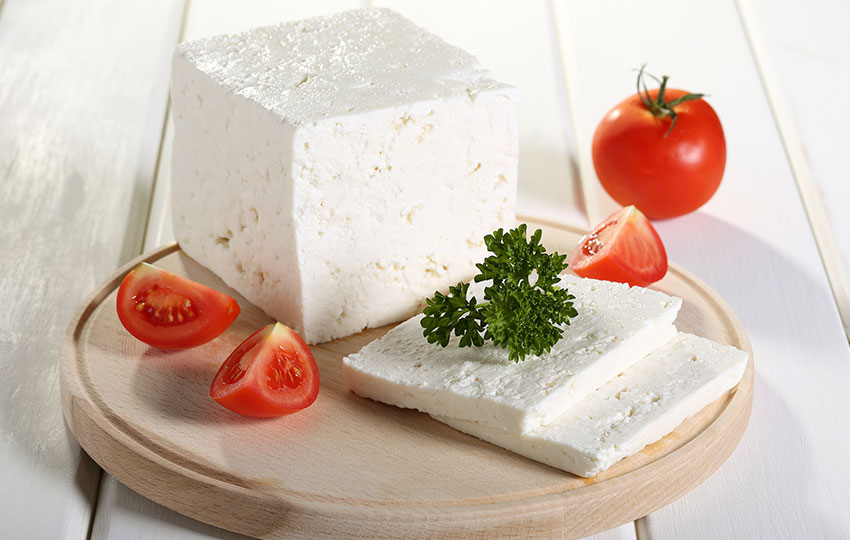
522, 309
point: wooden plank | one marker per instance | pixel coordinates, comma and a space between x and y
753, 244
82, 101
517, 42
122, 513
796, 51
623, 532
159, 230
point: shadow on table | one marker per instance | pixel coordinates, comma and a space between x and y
754, 277
547, 174
136, 513
176, 384
799, 349
758, 479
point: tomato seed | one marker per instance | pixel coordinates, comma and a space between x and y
234, 373
165, 307
593, 245
597, 239
275, 376
283, 372
293, 377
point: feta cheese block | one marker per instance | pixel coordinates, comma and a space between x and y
336, 171
639, 407
616, 326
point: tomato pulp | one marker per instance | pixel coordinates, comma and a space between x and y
625, 247
271, 373
665, 172
169, 311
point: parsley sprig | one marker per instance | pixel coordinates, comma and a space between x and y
515, 313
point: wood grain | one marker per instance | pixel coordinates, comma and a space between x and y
82, 101
752, 242
144, 415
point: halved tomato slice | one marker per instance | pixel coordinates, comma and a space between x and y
172, 312
625, 248
271, 373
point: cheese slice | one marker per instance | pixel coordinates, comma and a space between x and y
637, 408
615, 327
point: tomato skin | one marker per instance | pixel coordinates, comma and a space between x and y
148, 295
271, 373
625, 247
663, 176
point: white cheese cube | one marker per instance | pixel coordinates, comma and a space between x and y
338, 170
616, 326
642, 405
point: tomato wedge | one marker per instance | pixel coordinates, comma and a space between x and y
625, 247
271, 373
172, 312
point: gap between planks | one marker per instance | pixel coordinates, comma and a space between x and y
97, 490
584, 190
154, 182
801, 170
166, 119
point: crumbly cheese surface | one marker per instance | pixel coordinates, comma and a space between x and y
338, 170
637, 408
615, 327
348, 63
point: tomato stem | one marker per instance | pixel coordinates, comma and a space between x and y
658, 107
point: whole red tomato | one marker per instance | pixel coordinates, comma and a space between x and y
661, 150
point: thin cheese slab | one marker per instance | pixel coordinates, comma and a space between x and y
615, 327
639, 407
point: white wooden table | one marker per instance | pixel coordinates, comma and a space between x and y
84, 171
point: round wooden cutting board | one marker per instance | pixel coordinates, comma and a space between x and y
351, 467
